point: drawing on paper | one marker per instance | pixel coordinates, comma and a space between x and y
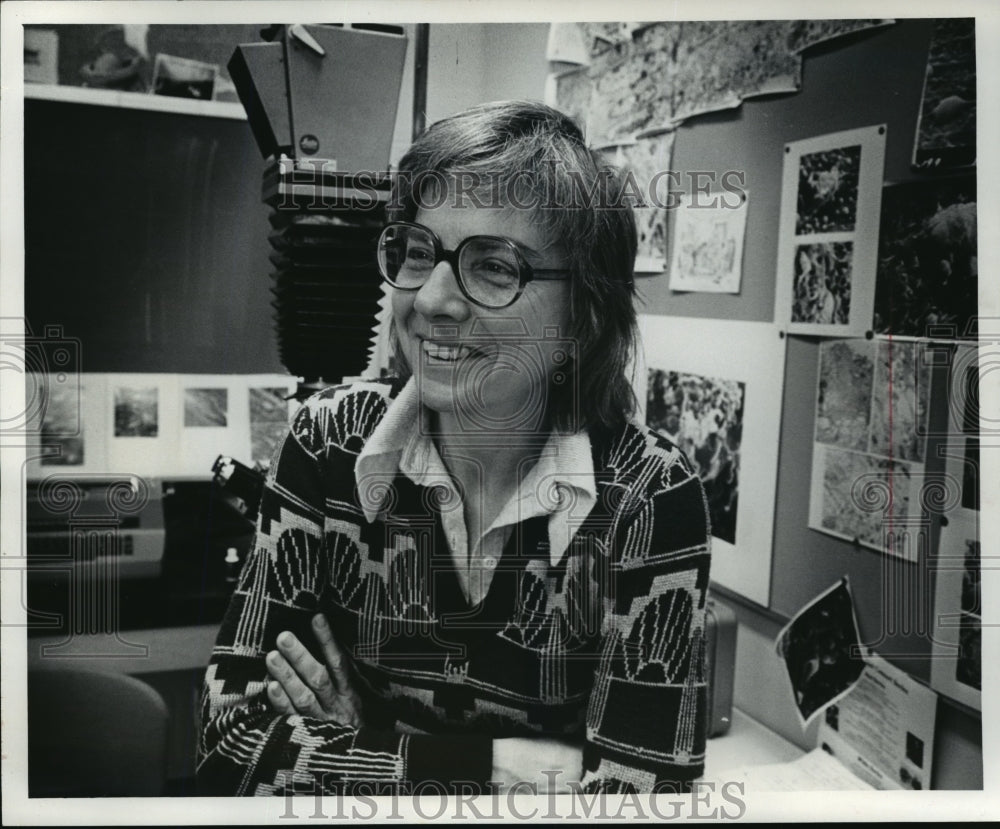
707, 246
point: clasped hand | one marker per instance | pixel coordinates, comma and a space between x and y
301, 685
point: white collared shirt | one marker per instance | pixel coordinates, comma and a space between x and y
560, 484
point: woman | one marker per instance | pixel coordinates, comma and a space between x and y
486, 570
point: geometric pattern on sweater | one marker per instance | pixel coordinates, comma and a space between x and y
607, 647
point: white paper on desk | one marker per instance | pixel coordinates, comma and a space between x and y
883, 730
816, 771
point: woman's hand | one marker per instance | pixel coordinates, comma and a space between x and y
301, 685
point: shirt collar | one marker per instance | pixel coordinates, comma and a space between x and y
562, 481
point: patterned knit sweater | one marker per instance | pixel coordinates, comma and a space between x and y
606, 648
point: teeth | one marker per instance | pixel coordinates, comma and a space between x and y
448, 353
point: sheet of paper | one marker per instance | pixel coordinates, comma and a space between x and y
707, 244
883, 730
816, 771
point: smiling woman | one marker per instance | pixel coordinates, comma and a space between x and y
483, 569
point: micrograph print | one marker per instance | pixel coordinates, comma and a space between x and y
704, 417
828, 191
136, 412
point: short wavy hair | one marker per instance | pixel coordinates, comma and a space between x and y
537, 159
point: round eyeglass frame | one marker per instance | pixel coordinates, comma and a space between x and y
525, 271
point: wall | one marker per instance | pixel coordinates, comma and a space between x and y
470, 63
870, 78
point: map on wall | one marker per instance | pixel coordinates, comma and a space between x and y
649, 76
872, 403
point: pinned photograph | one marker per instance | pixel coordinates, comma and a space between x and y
268, 423
968, 667
831, 190
822, 292
205, 407
860, 497
62, 434
703, 416
946, 133
844, 393
828, 191
136, 412
901, 401
821, 649
720, 404
928, 261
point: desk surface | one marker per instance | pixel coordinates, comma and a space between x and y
747, 742
130, 652
187, 648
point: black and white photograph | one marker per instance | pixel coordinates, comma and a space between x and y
828, 191
968, 668
831, 189
946, 131
719, 404
823, 283
137, 413
963, 562
704, 417
844, 393
416, 411
928, 263
862, 496
268, 422
970, 429
900, 401
821, 649
205, 407
971, 591
62, 428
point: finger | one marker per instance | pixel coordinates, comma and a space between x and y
279, 699
299, 694
309, 670
332, 653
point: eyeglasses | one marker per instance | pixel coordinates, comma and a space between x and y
491, 271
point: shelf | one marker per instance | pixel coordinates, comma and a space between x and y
134, 100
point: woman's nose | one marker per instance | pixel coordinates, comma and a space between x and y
440, 295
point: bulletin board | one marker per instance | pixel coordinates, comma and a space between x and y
873, 77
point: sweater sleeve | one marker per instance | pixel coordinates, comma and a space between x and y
647, 716
246, 747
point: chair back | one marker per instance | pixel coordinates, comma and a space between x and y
94, 734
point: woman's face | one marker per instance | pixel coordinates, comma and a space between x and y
489, 368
